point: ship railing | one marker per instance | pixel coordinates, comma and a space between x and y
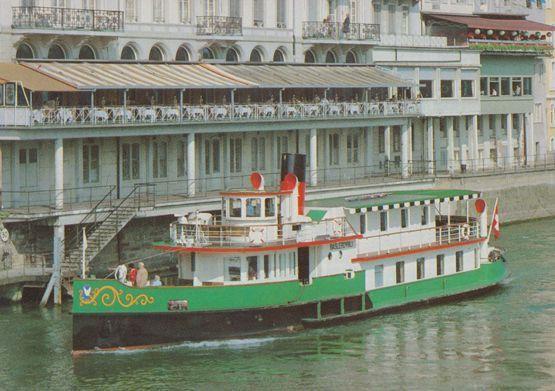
217, 235
420, 238
154, 114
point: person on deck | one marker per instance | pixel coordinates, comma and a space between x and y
156, 281
142, 276
132, 274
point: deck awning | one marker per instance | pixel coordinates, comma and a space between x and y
480, 22
31, 80
102, 76
312, 76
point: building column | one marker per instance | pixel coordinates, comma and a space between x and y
437, 144
58, 257
486, 135
313, 164
191, 160
509, 147
405, 146
430, 145
520, 128
59, 173
463, 140
450, 145
473, 142
369, 150
387, 143
529, 139
498, 143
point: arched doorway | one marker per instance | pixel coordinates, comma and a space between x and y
56, 52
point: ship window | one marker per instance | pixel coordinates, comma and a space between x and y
420, 268
425, 215
254, 207
400, 272
476, 258
440, 263
193, 262
252, 263
235, 207
459, 261
404, 218
378, 276
269, 207
362, 223
282, 265
292, 264
266, 266
233, 268
383, 220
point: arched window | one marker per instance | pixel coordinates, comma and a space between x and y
256, 56
309, 57
24, 51
330, 57
351, 57
208, 54
182, 54
156, 54
128, 53
231, 55
279, 56
56, 52
86, 53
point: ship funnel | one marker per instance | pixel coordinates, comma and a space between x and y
295, 163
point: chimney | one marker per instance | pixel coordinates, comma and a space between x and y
295, 163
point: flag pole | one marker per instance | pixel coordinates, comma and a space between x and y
492, 217
83, 254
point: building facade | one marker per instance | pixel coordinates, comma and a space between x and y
474, 100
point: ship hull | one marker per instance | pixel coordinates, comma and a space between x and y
113, 330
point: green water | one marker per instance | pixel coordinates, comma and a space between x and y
503, 340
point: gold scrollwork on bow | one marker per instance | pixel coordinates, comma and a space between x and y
108, 296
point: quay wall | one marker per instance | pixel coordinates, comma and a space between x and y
522, 196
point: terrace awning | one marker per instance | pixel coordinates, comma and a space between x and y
479, 22
312, 76
100, 76
31, 79
109, 76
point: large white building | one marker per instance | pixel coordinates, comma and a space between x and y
466, 94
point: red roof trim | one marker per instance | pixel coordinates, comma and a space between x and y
258, 249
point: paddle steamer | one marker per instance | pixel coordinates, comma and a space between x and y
270, 261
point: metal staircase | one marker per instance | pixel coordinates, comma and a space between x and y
102, 224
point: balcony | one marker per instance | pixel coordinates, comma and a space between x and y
80, 116
339, 31
219, 25
53, 18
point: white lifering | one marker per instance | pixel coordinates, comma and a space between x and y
337, 228
256, 235
465, 231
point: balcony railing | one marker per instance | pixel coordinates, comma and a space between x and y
341, 31
53, 18
219, 25
76, 116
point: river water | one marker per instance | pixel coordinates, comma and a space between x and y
502, 340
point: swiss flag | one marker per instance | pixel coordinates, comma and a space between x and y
495, 222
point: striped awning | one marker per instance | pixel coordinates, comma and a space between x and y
393, 200
105, 76
313, 76
407, 204
34, 81
92, 76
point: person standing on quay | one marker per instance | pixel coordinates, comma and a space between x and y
142, 276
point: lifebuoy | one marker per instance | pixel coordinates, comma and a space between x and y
256, 235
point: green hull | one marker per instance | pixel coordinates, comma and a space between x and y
111, 297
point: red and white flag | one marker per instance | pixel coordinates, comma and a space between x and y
495, 222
